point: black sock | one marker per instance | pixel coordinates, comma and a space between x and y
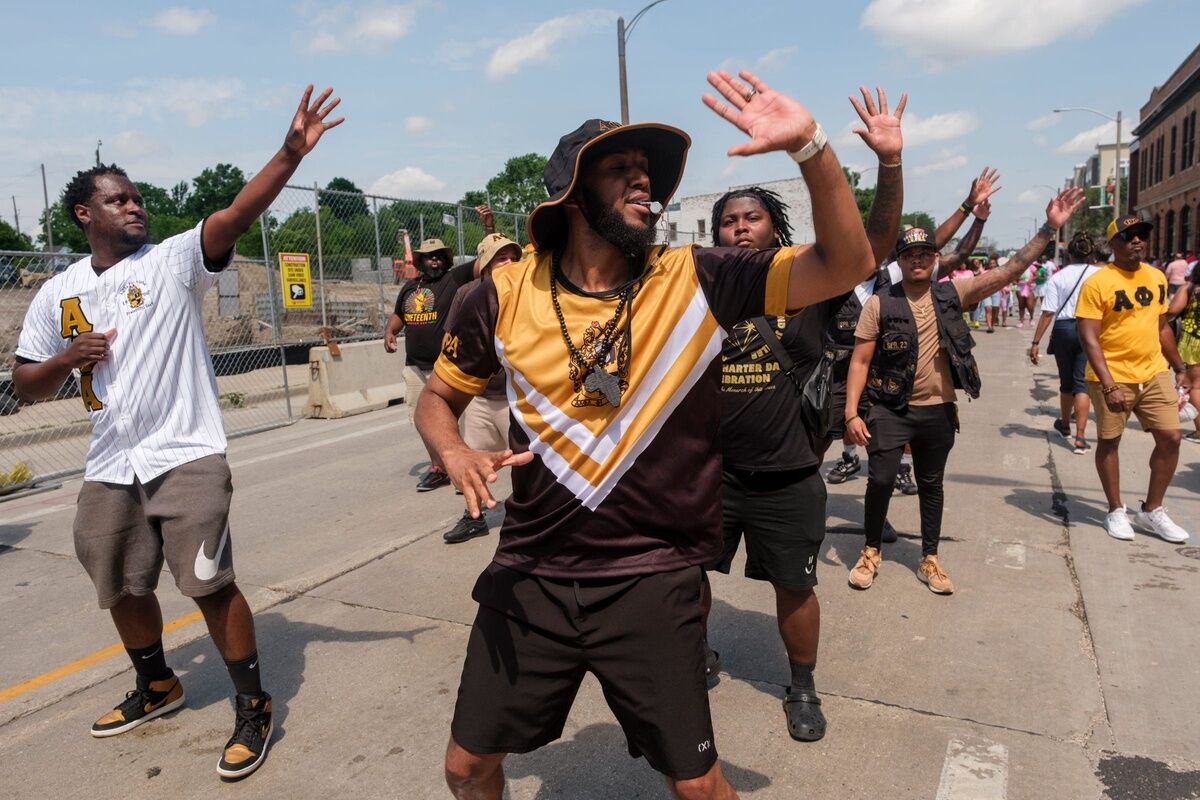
150, 662
245, 674
802, 677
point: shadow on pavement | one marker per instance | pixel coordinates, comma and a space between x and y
282, 643
12, 535
594, 763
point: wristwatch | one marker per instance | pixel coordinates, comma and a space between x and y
816, 145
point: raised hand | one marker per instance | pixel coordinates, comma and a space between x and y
772, 120
983, 210
485, 216
309, 123
882, 133
984, 186
1063, 206
472, 470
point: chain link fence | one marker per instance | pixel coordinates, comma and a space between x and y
360, 250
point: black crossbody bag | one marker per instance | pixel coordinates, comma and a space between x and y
816, 392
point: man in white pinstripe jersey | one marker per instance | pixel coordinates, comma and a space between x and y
127, 320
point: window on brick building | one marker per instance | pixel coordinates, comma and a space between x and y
1185, 229
1158, 161
1169, 235
1171, 160
1187, 155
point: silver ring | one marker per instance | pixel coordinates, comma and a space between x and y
750, 94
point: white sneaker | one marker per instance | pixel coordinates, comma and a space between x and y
1116, 525
1158, 523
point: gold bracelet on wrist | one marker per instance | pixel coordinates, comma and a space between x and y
1110, 389
892, 166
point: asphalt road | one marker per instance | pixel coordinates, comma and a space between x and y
1064, 666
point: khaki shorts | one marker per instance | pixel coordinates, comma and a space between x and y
1155, 403
485, 424
123, 533
415, 379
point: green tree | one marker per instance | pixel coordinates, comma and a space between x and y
862, 197
66, 233
214, 189
166, 218
346, 206
519, 186
919, 219
11, 240
1093, 217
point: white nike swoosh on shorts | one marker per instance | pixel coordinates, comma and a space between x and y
206, 568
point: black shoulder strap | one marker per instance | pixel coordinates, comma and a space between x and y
778, 350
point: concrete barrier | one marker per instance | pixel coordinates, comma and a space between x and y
363, 378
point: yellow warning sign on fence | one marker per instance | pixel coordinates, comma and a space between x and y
296, 275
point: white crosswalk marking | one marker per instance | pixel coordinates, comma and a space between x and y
975, 769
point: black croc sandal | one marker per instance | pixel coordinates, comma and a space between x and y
805, 721
712, 666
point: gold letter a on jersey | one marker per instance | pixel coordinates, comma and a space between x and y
73, 320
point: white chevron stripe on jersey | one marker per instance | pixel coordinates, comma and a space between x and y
599, 447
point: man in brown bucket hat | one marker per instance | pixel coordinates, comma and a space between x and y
610, 350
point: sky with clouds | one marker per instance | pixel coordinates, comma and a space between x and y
439, 93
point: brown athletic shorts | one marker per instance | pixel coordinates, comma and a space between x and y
123, 533
1155, 402
534, 639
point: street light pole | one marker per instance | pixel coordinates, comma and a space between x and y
1116, 156
623, 34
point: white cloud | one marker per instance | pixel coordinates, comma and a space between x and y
1044, 121
776, 59
730, 168
129, 145
1031, 196
407, 182
948, 158
417, 124
919, 130
346, 26
180, 21
1086, 141
945, 32
193, 100
538, 45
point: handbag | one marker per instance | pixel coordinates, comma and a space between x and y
816, 392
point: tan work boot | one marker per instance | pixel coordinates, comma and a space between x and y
863, 574
930, 573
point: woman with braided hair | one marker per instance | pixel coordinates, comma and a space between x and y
1058, 307
1185, 305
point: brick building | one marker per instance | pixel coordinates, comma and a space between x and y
1164, 170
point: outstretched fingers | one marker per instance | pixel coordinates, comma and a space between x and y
759, 85
865, 111
722, 110
304, 98
321, 98
730, 89
324, 112
900, 106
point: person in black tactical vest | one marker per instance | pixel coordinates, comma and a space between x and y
913, 352
882, 225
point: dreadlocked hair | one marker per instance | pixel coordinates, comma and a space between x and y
82, 187
775, 207
1081, 247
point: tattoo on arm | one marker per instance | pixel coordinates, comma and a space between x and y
886, 207
990, 281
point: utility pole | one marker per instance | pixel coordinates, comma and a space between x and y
621, 69
16, 216
98, 143
46, 200
1117, 170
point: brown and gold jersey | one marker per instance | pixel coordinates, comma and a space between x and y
626, 490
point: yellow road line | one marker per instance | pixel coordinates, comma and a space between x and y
86, 661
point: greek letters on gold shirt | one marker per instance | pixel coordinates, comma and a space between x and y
614, 491
153, 401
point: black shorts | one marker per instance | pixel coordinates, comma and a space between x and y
783, 517
534, 639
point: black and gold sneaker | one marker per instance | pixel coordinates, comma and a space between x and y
252, 728
149, 700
